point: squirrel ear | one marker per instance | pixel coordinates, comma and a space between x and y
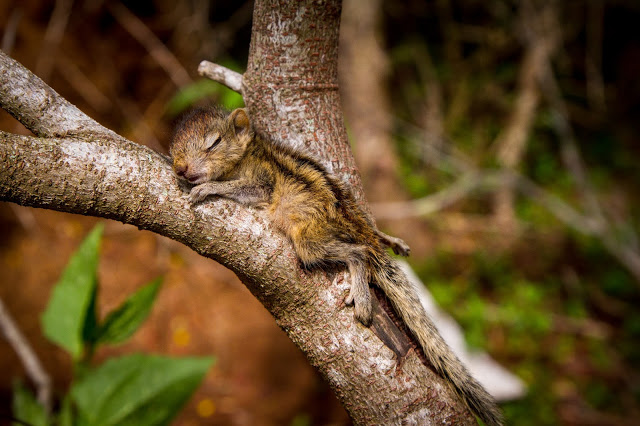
240, 120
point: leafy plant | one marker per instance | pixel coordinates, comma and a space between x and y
134, 389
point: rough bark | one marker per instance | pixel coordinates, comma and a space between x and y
291, 82
75, 165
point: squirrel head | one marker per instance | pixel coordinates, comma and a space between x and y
208, 143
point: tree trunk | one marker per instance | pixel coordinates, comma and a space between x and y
75, 165
363, 77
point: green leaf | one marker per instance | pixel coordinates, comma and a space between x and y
65, 416
302, 419
26, 408
121, 323
230, 99
71, 304
90, 327
137, 390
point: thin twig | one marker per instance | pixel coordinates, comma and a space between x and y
555, 205
625, 250
455, 192
215, 72
26, 218
488, 180
53, 37
473, 180
593, 59
28, 357
10, 30
512, 140
82, 84
551, 91
158, 51
442, 155
625, 253
570, 153
432, 117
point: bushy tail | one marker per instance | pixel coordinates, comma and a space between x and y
404, 298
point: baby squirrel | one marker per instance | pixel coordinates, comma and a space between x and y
220, 154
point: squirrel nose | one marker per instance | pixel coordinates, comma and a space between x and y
181, 169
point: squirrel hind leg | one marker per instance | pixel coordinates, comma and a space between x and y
313, 253
359, 294
310, 253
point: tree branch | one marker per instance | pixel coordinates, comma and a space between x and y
38, 107
223, 75
512, 140
487, 181
425, 206
77, 166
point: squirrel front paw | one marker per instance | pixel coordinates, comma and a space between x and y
200, 192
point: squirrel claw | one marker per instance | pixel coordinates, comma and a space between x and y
396, 244
399, 246
349, 299
198, 193
363, 313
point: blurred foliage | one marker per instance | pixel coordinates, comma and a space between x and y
26, 408
201, 90
554, 306
543, 330
301, 420
135, 389
205, 90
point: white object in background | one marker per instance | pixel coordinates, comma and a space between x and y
497, 380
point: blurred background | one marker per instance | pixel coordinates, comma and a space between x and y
498, 138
